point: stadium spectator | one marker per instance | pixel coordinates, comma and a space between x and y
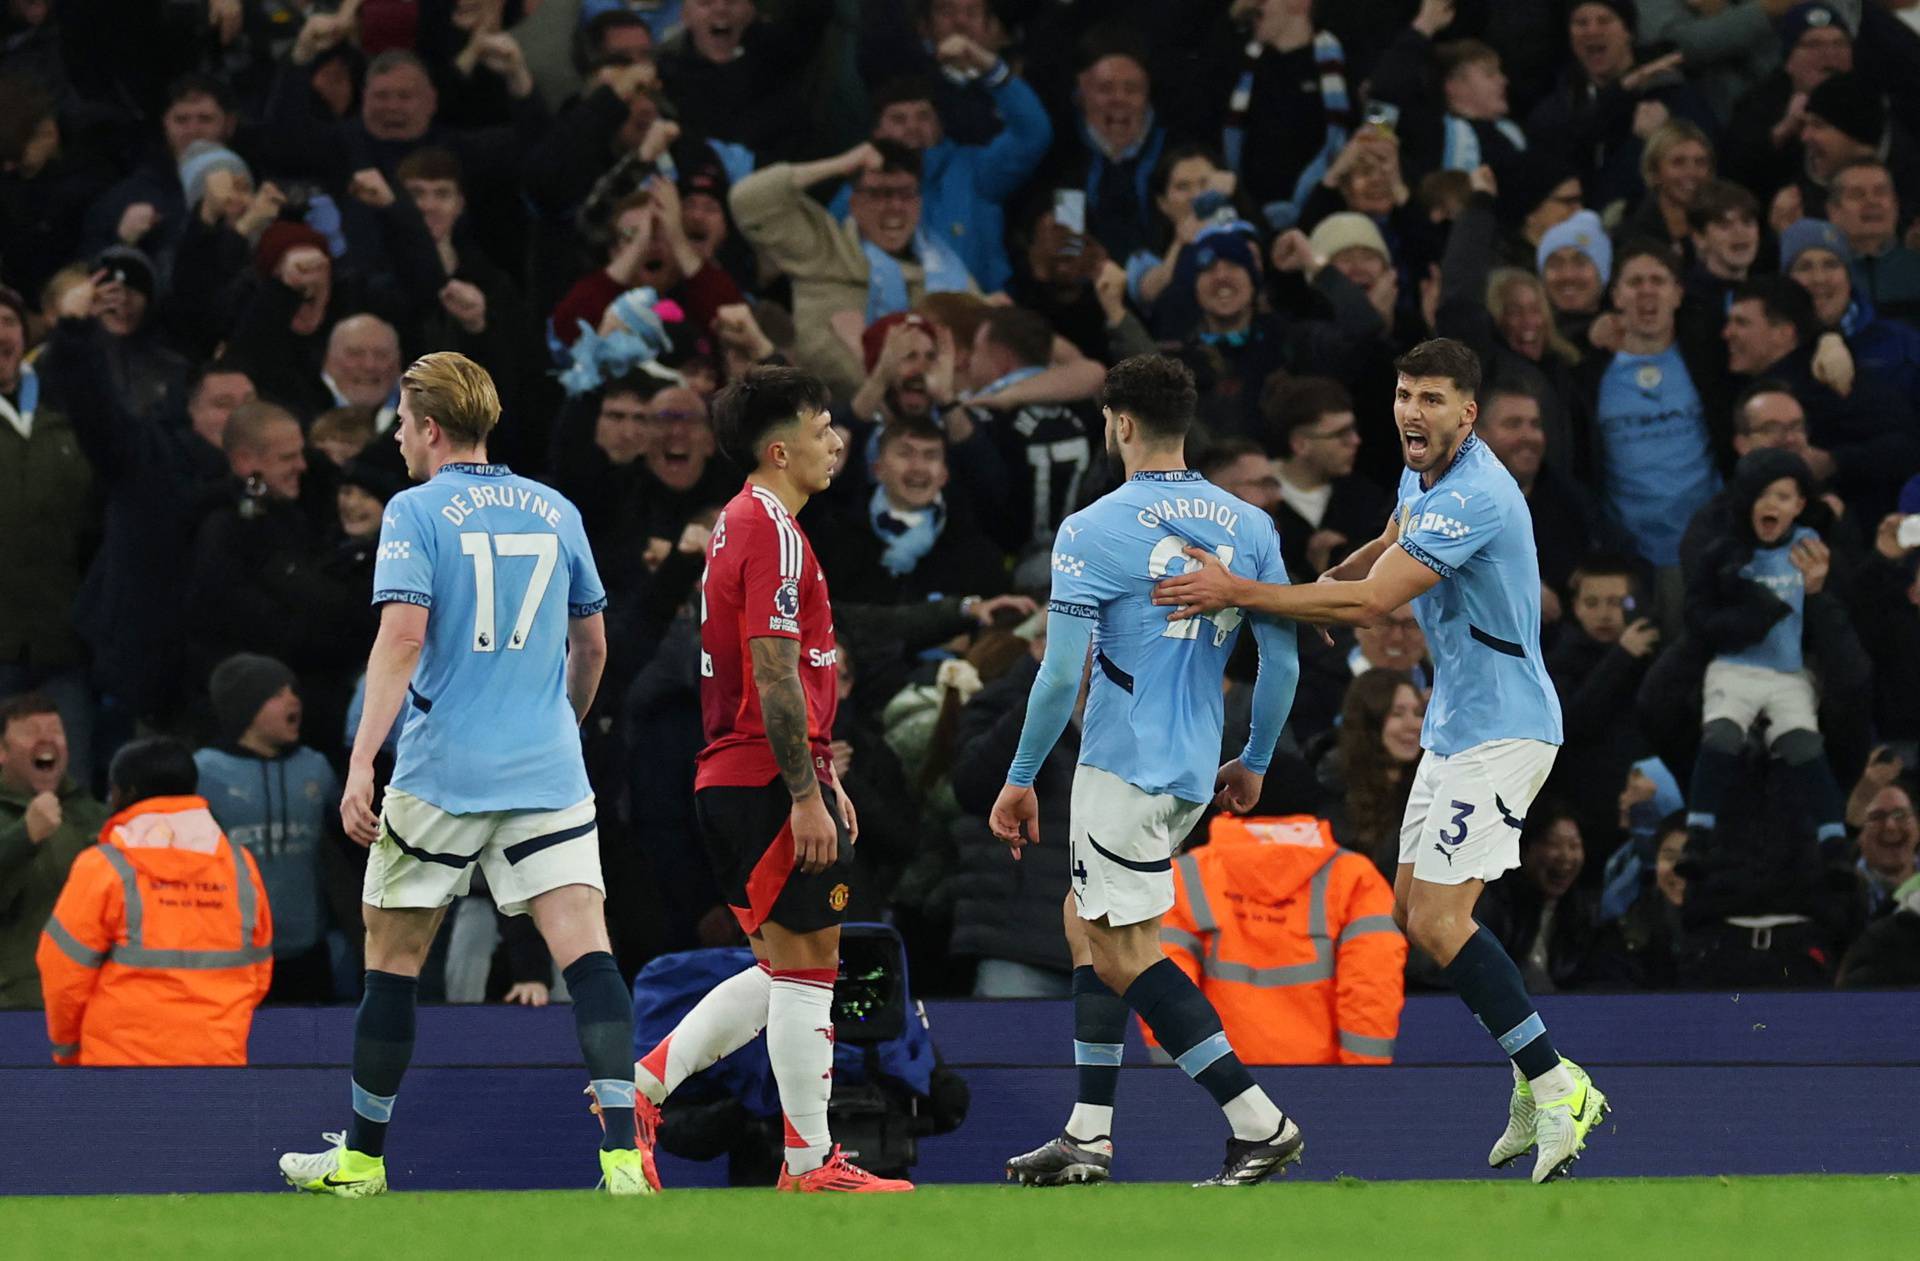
1513, 426
1724, 222
1452, 98
45, 186
1597, 663
1239, 919
1543, 918
45, 517
739, 77
1886, 610
1606, 104
1863, 203
1675, 164
146, 374
277, 798
1575, 262
1657, 410
1112, 147
1765, 129
1888, 953
879, 262
1242, 468
134, 975
1856, 441
1369, 768
907, 540
46, 820
1726, 49
1639, 948
964, 186
1882, 809
1324, 510
258, 580
1816, 256
924, 39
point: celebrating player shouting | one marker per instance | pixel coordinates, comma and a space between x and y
491, 638
1147, 765
779, 829
1460, 547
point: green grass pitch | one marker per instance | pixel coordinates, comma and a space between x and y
1830, 1218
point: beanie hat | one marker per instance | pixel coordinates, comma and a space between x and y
200, 159
1525, 186
1848, 104
874, 339
1758, 470
1582, 231
1812, 234
280, 237
1910, 496
1344, 231
127, 266
1227, 243
1626, 9
373, 476
1802, 18
706, 174
240, 685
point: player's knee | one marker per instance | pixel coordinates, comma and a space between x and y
1438, 930
1722, 735
1799, 746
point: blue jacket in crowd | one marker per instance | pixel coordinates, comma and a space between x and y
281, 809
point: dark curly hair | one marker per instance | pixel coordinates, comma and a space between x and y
1377, 787
1154, 390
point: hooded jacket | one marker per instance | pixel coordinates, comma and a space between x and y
1292, 940
158, 950
281, 809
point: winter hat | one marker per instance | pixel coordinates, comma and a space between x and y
201, 159
1227, 243
1910, 496
1849, 105
1812, 234
240, 685
1626, 9
128, 266
1581, 231
1344, 231
705, 174
874, 339
1524, 186
1802, 18
280, 237
372, 476
1758, 470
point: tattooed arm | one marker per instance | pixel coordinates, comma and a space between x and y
783, 711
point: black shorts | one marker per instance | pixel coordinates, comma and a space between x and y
749, 835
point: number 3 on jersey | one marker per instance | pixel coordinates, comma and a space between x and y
1171, 550
482, 547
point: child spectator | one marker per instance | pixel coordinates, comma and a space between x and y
1749, 600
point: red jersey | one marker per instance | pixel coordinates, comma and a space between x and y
762, 580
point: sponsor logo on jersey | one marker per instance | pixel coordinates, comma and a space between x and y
823, 660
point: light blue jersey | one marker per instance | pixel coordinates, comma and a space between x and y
1482, 620
1154, 707
1658, 462
503, 563
1773, 568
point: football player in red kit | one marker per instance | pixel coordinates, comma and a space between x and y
779, 830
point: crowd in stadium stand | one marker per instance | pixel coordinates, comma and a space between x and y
1683, 237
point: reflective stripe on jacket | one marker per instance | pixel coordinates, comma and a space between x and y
1293, 941
160, 946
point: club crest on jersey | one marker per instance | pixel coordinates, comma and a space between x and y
838, 898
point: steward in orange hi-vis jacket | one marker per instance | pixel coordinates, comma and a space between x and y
1292, 940
159, 947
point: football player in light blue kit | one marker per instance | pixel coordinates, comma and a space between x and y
491, 639
1460, 547
1149, 754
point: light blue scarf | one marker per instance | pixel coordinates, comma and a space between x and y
1462, 152
21, 417
887, 282
907, 540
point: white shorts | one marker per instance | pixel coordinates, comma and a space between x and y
1120, 847
424, 857
1465, 813
1741, 693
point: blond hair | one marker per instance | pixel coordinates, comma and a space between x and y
1504, 280
1676, 131
456, 393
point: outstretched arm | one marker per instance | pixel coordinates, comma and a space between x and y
1015, 817
1396, 577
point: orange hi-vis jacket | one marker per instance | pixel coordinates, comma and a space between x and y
1292, 940
159, 948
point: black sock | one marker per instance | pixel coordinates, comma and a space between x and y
603, 1017
1185, 1024
1490, 985
1099, 1038
382, 1049
1716, 773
